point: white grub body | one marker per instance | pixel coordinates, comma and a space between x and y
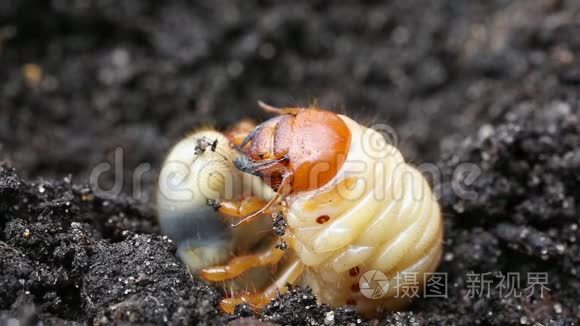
382, 216
191, 176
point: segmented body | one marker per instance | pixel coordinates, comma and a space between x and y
378, 213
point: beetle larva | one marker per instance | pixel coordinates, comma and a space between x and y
384, 218
351, 205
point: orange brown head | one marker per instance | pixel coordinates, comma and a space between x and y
304, 147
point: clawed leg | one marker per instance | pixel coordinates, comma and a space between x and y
241, 208
238, 265
260, 299
282, 191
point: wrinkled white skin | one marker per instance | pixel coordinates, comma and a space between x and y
391, 226
187, 180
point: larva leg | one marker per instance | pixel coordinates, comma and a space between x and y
259, 299
241, 208
238, 265
279, 194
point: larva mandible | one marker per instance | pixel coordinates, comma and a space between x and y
345, 203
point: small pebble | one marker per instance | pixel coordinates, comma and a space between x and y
329, 318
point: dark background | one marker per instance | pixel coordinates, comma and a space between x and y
493, 83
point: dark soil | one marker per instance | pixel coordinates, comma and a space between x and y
490, 83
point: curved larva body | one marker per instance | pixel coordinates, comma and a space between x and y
383, 216
191, 175
376, 213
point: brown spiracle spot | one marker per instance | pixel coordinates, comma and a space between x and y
322, 219
354, 271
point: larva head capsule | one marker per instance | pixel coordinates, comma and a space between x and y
305, 147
